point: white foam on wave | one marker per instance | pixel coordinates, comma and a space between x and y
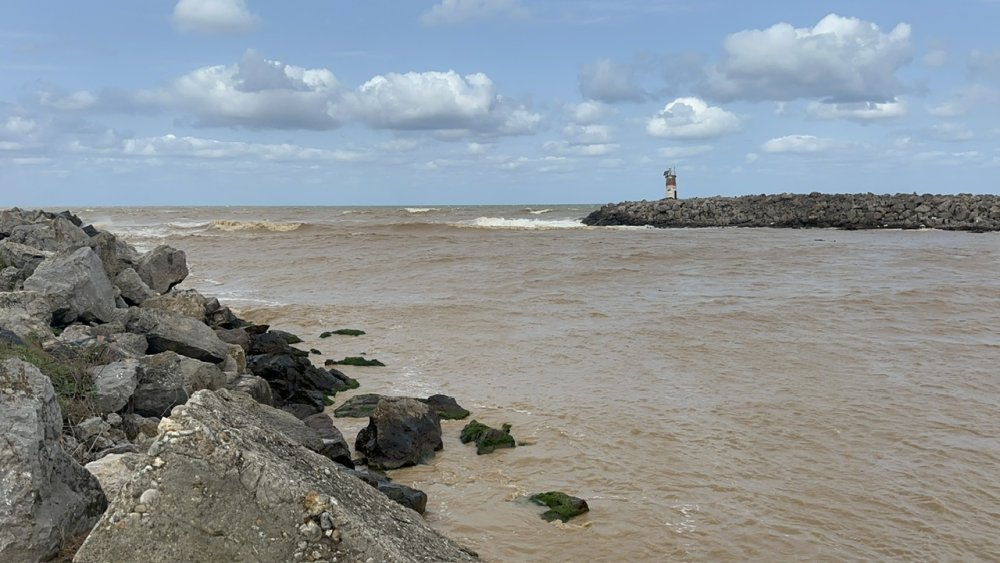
539, 211
420, 209
528, 224
186, 225
231, 225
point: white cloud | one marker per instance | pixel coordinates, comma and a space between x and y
196, 147
587, 134
441, 101
590, 111
224, 17
18, 126
799, 144
684, 152
840, 59
451, 12
858, 111
589, 149
77, 101
936, 58
951, 132
254, 93
692, 118
608, 81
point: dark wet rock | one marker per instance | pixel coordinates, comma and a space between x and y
342, 332
350, 382
47, 497
315, 351
359, 406
294, 379
356, 361
288, 337
411, 498
334, 445
561, 506
272, 342
962, 212
446, 407
169, 331
487, 439
284, 503
162, 268
400, 432
168, 379
76, 287
302, 411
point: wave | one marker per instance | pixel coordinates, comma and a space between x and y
528, 224
231, 225
420, 209
538, 211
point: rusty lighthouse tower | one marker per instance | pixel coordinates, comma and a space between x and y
671, 176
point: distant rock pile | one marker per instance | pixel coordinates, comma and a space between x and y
963, 212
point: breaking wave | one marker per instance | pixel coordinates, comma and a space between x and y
230, 225
530, 224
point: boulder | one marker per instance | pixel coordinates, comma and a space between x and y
10, 218
446, 407
254, 386
22, 257
116, 254
361, 405
273, 342
114, 385
75, 285
162, 268
11, 279
114, 470
168, 379
411, 498
400, 432
56, 235
236, 336
294, 379
236, 360
561, 506
47, 498
334, 445
134, 291
26, 314
166, 330
189, 303
222, 486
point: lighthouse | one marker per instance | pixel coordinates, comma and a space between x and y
671, 177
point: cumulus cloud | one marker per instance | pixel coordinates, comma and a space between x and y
840, 59
195, 147
256, 93
608, 81
436, 101
214, 17
452, 12
799, 144
858, 111
692, 118
590, 111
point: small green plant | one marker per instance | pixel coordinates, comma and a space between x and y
70, 380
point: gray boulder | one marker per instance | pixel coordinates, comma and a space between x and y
11, 279
166, 330
189, 303
114, 470
10, 218
222, 486
47, 498
256, 387
116, 254
134, 290
168, 379
114, 384
57, 235
411, 498
162, 268
22, 257
75, 285
400, 432
25, 313
334, 445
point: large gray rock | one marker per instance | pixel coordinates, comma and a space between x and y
334, 445
114, 385
256, 387
162, 268
25, 313
46, 498
115, 254
168, 379
222, 486
10, 218
58, 234
189, 303
134, 291
166, 330
22, 257
114, 470
75, 285
400, 432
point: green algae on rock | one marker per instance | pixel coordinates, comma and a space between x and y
342, 332
561, 506
357, 361
487, 439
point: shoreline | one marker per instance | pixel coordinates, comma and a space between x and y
962, 212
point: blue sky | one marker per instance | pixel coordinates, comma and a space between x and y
323, 102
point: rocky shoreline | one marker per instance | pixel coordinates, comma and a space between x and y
147, 423
962, 212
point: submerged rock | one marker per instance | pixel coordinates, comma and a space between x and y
363, 404
487, 439
561, 506
400, 432
221, 486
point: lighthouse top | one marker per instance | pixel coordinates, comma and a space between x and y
671, 178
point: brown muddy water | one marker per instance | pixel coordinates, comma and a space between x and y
714, 394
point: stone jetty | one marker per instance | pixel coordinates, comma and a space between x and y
962, 212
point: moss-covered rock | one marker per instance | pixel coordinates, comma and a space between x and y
315, 351
342, 332
357, 361
561, 506
487, 439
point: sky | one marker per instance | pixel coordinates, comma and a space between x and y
334, 102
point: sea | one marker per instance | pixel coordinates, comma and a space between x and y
719, 394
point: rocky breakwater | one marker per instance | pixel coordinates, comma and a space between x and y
202, 433
963, 212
